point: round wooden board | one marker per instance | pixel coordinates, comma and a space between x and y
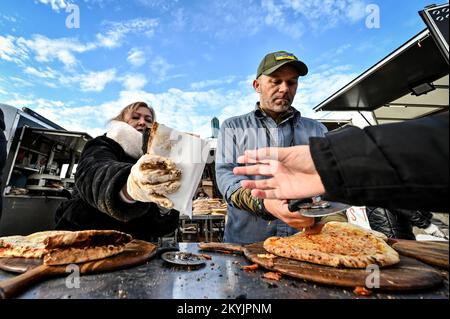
409, 275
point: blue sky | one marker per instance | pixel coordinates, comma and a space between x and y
190, 59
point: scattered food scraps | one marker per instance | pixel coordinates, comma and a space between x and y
272, 275
252, 267
208, 257
362, 291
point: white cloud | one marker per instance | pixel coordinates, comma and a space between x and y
136, 57
134, 81
208, 83
10, 51
189, 111
116, 32
16, 50
96, 81
182, 110
356, 11
56, 4
160, 67
233, 19
160, 4
62, 49
227, 19
276, 18
318, 15
45, 74
8, 18
320, 85
93, 81
19, 82
180, 19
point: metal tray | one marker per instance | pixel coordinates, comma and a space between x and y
183, 258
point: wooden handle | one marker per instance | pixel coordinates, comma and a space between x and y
221, 247
13, 286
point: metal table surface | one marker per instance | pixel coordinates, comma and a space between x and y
221, 278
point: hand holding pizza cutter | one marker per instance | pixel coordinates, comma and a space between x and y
316, 207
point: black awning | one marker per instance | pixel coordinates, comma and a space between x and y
416, 62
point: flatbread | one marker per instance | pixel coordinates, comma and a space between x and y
152, 135
153, 179
63, 247
337, 245
80, 255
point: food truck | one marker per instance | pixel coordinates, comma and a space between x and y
39, 172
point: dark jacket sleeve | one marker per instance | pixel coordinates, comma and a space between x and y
400, 165
101, 175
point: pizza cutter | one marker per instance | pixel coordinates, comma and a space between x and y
316, 207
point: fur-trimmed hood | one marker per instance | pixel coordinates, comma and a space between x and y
127, 136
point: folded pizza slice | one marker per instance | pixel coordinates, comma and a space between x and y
65, 247
338, 245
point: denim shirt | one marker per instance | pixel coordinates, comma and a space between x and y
250, 131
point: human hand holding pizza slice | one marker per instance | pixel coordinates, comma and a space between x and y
152, 178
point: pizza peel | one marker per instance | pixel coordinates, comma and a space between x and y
409, 275
33, 270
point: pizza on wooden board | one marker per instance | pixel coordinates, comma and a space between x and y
65, 247
338, 244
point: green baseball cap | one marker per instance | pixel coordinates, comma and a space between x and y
273, 61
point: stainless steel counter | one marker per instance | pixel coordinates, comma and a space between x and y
221, 278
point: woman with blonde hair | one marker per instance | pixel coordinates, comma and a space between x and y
108, 192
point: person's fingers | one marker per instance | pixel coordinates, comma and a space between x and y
260, 184
248, 184
261, 193
295, 220
243, 159
262, 153
302, 222
259, 169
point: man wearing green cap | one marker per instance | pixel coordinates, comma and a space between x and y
273, 122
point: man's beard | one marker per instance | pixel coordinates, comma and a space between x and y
286, 103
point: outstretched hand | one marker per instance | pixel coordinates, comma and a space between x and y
291, 170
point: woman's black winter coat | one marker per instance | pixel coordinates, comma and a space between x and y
102, 171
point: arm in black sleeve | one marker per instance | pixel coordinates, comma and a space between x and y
101, 175
400, 165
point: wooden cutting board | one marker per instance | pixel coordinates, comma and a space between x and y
136, 253
430, 252
409, 275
